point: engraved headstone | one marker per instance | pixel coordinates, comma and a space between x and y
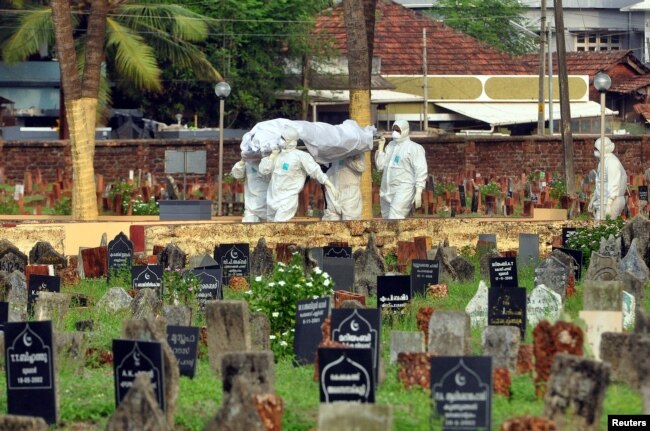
210, 287
358, 328
477, 308
119, 253
44, 254
355, 416
393, 292
571, 258
11, 258
346, 375
310, 314
554, 274
234, 259
131, 357
602, 295
503, 272
41, 283
603, 268
610, 247
183, 341
147, 276
543, 304
507, 307
449, 333
172, 258
423, 274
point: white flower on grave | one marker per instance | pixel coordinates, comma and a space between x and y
280, 270
271, 284
326, 282
314, 297
284, 343
249, 292
272, 337
309, 284
275, 314
258, 278
281, 264
293, 330
281, 282
317, 270
326, 275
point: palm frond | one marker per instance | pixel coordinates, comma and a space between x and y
35, 29
177, 20
133, 57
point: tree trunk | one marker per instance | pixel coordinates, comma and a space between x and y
81, 97
360, 29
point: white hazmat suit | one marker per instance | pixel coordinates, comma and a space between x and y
255, 189
289, 170
405, 172
615, 182
345, 174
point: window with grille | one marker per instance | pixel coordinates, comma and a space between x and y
597, 41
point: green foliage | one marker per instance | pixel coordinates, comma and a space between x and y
376, 176
491, 189
123, 188
181, 287
440, 188
63, 206
587, 239
140, 207
8, 205
390, 260
557, 187
278, 294
490, 21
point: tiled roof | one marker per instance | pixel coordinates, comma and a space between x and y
589, 62
644, 110
631, 84
398, 42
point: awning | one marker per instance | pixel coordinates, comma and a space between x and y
501, 114
340, 97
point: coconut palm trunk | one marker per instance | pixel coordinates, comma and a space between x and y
81, 97
360, 29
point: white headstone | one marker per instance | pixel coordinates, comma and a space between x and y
597, 322
629, 309
478, 305
543, 304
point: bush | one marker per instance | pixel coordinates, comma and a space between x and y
277, 296
587, 239
140, 207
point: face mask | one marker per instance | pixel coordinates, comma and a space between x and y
290, 145
396, 134
597, 154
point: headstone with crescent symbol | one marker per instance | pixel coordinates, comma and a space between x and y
29, 360
310, 314
40, 283
358, 328
461, 389
131, 357
346, 375
147, 276
119, 253
234, 260
339, 264
393, 292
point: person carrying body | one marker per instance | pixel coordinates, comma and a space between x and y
615, 181
345, 174
255, 188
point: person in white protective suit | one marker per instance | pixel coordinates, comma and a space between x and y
345, 174
615, 182
255, 188
405, 172
289, 169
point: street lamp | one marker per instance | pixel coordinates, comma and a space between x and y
602, 82
222, 90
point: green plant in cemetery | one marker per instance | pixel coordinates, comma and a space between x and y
587, 239
439, 189
557, 187
278, 294
141, 207
181, 287
491, 189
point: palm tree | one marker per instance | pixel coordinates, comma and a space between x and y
126, 37
360, 28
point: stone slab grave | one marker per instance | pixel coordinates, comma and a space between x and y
503, 272
38, 284
139, 409
11, 258
449, 333
147, 277
260, 331
346, 374
574, 258
528, 252
639, 228
477, 307
43, 253
261, 259
228, 325
405, 341
368, 265
343, 416
234, 260
598, 322
603, 268
310, 315
461, 391
554, 274
610, 247
31, 380
576, 390
424, 273
543, 304
502, 344
52, 306
92, 262
210, 287
339, 264
602, 295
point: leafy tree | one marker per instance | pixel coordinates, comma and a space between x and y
494, 22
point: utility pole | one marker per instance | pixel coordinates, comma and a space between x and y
426, 81
565, 108
542, 64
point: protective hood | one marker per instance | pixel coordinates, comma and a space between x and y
608, 147
290, 136
404, 127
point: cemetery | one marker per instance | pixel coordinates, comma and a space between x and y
416, 324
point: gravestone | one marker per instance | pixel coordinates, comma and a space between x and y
604, 268
44, 254
502, 344
52, 306
602, 295
316, 254
147, 277
260, 331
358, 328
629, 310
507, 307
503, 272
528, 249
210, 287
571, 258
477, 307
92, 262
576, 391
4, 314
368, 265
543, 304
449, 333
234, 259
146, 304
204, 262
610, 247
172, 258
355, 416
339, 264
634, 272
310, 315
615, 349
461, 390
22, 423
238, 410
119, 253
11, 258
346, 374
405, 341
567, 233
553, 274
639, 228
257, 368
29, 368
139, 409
114, 300
228, 325
484, 263
424, 273
17, 296
177, 314
393, 292
598, 322
136, 356
261, 259
40, 283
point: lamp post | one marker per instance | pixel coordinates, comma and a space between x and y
222, 90
602, 82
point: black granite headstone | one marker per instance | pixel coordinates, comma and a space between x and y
503, 272
643, 193
339, 264
346, 375
234, 260
131, 357
310, 314
507, 307
424, 273
461, 389
461, 192
577, 256
475, 198
40, 283
183, 341
358, 328
147, 276
393, 292
340, 252
4, 314
29, 360
119, 253
210, 287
